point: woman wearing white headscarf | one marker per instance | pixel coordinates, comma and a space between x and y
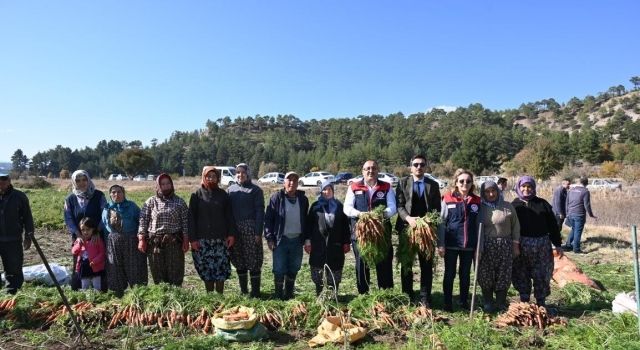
84, 201
247, 203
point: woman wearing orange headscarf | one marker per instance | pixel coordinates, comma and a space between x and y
212, 230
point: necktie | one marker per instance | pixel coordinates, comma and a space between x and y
417, 187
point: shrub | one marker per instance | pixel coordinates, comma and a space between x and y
36, 183
64, 174
610, 169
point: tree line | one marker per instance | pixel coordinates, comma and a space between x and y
474, 137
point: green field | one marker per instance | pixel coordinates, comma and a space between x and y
591, 325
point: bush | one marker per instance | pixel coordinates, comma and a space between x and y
36, 183
610, 169
64, 174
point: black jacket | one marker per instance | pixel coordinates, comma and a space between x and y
537, 219
15, 215
327, 248
404, 196
210, 215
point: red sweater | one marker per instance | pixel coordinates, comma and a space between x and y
96, 253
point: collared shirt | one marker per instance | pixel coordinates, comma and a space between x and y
160, 216
350, 199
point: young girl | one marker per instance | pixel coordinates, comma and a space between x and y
90, 252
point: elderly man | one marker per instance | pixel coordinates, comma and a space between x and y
284, 222
363, 196
417, 195
15, 219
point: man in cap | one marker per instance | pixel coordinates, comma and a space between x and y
284, 222
15, 219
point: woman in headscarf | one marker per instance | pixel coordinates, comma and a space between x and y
328, 238
163, 232
126, 265
501, 243
538, 229
84, 201
458, 235
247, 202
212, 230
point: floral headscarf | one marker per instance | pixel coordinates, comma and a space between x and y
164, 194
203, 181
526, 180
90, 186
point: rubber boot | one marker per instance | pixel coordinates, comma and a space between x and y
541, 302
487, 297
501, 300
243, 280
318, 289
255, 285
289, 285
278, 282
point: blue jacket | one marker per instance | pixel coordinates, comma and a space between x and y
73, 213
129, 214
459, 228
275, 215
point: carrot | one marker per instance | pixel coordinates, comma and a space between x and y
207, 326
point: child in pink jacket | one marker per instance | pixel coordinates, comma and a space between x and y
90, 250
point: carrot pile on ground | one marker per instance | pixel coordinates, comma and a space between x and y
528, 315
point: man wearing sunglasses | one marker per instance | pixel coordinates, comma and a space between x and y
416, 195
363, 196
15, 218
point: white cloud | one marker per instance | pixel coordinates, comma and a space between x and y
444, 108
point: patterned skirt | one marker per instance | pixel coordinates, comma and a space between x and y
212, 260
494, 271
246, 253
535, 264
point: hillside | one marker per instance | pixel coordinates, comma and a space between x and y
538, 138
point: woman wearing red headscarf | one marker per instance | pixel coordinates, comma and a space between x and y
163, 232
212, 230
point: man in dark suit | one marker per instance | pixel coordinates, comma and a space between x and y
415, 196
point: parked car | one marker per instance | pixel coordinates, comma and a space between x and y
604, 184
272, 178
342, 177
139, 178
227, 175
315, 178
151, 177
118, 177
482, 179
386, 177
441, 183
354, 179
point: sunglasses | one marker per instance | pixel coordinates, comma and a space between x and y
465, 181
419, 165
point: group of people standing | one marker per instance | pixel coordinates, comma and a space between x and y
115, 242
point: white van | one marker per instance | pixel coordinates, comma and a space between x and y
227, 175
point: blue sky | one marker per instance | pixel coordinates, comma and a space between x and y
76, 72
